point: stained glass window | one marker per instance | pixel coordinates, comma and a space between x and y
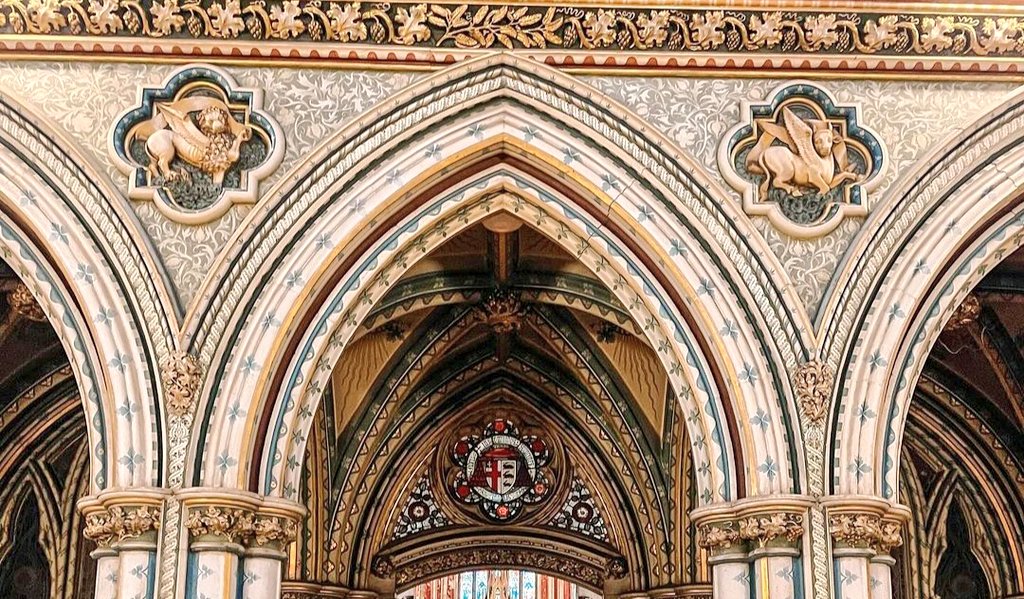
420, 512
529, 585
495, 584
481, 584
580, 513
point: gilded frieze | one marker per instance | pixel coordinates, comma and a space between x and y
807, 31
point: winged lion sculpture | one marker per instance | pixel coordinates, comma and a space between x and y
813, 156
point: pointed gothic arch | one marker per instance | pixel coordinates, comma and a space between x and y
931, 241
81, 255
641, 214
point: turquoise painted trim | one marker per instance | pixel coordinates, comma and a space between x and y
191, 572
151, 576
798, 578
87, 367
837, 585
891, 437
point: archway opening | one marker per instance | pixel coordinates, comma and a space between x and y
498, 410
44, 456
962, 456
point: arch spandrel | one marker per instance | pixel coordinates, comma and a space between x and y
654, 210
926, 246
82, 256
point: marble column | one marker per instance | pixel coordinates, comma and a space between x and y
863, 533
264, 559
775, 554
124, 526
106, 571
215, 551
730, 564
755, 547
237, 544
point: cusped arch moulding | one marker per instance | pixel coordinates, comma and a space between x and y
802, 159
196, 144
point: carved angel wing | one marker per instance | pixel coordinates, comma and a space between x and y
801, 133
183, 126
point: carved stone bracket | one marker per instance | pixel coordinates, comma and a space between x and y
181, 376
120, 523
813, 381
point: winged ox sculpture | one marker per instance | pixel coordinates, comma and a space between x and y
812, 156
210, 140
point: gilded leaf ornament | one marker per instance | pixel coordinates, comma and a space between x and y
538, 26
813, 381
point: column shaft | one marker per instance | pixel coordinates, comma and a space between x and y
261, 575
106, 572
213, 571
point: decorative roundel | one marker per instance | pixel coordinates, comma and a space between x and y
501, 470
583, 513
417, 511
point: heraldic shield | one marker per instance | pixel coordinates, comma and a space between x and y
501, 470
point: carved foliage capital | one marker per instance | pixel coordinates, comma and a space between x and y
718, 535
181, 375
271, 530
764, 529
240, 526
865, 531
759, 530
890, 535
813, 381
118, 524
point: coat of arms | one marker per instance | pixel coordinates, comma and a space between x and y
501, 470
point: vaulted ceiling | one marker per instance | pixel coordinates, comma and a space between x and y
980, 353
500, 322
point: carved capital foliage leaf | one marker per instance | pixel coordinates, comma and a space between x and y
118, 524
